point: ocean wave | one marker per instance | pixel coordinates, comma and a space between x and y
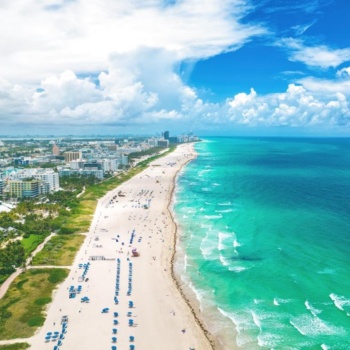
213, 216
238, 268
206, 189
200, 173
256, 320
279, 301
215, 184
207, 248
225, 204
313, 326
224, 211
312, 309
222, 236
208, 226
224, 261
269, 340
236, 243
340, 301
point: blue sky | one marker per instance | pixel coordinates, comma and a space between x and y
230, 67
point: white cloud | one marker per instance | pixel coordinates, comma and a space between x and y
297, 107
133, 93
314, 56
131, 51
46, 37
344, 73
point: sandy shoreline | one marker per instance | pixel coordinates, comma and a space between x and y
160, 317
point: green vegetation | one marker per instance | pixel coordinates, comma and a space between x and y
22, 307
11, 256
17, 346
59, 250
147, 152
31, 242
63, 213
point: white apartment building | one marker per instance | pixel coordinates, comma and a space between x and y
45, 175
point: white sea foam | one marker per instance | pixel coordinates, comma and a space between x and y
216, 184
206, 226
202, 172
279, 301
222, 236
269, 340
206, 189
213, 216
224, 261
256, 320
224, 211
207, 248
243, 324
236, 243
238, 268
339, 301
313, 326
225, 203
312, 309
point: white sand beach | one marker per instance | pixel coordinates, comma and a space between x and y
159, 317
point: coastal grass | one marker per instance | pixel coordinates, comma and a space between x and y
31, 243
59, 251
22, 307
16, 346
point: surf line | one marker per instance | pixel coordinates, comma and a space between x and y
207, 334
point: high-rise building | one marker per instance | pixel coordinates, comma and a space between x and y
166, 135
24, 188
163, 143
69, 156
55, 150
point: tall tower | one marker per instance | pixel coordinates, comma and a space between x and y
55, 150
166, 135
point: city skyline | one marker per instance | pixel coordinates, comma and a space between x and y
216, 67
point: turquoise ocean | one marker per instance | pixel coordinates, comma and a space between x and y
265, 240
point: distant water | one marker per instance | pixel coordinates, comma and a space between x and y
266, 240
